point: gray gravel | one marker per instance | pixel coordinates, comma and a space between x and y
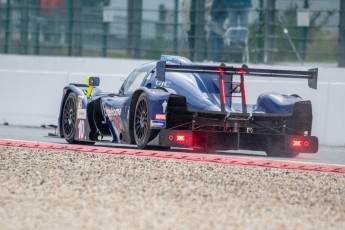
71, 190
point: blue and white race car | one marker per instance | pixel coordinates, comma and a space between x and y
176, 103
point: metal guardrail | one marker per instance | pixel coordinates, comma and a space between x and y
277, 32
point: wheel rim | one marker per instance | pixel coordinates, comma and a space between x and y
68, 118
141, 125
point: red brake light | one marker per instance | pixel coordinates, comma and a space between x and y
302, 144
299, 143
296, 143
180, 138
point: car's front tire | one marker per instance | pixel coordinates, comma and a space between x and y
69, 116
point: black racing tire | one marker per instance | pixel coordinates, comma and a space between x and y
69, 118
141, 124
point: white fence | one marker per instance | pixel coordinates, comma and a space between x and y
31, 89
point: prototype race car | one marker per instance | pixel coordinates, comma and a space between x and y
176, 103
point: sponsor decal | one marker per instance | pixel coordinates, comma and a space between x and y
164, 105
81, 114
111, 111
162, 83
166, 58
161, 116
157, 124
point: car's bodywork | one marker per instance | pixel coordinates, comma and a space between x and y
175, 103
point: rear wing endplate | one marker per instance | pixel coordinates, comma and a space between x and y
311, 75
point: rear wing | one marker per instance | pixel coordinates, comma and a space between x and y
311, 75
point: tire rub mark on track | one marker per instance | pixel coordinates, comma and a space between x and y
179, 156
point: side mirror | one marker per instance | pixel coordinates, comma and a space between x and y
93, 81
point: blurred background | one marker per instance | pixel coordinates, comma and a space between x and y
279, 31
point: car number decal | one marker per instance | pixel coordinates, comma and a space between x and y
81, 129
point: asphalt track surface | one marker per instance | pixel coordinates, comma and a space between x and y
328, 155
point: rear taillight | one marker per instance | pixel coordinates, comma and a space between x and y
302, 144
298, 143
295, 143
179, 138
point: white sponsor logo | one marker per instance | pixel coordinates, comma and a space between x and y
157, 124
111, 111
81, 114
163, 83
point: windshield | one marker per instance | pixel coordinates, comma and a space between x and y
204, 82
133, 82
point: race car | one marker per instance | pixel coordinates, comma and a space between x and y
174, 102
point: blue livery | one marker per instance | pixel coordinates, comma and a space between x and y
176, 103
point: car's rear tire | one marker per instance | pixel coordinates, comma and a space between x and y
141, 124
69, 116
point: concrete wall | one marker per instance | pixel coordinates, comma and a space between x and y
31, 89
